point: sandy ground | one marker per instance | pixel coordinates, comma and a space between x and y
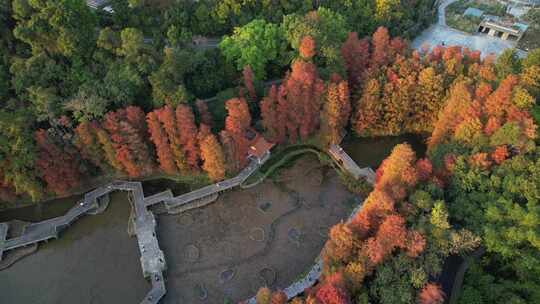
232, 247
440, 33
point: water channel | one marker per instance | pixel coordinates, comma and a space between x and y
95, 260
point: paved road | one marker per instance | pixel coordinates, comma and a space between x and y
440, 32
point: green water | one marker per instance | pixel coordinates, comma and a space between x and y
372, 151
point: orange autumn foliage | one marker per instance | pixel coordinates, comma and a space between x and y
431, 294
307, 48
500, 154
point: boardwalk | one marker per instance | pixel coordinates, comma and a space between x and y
152, 258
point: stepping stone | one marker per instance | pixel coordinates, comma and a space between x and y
257, 234
294, 235
202, 292
226, 275
192, 253
264, 206
268, 276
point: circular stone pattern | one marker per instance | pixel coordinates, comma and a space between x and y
268, 276
201, 291
257, 234
192, 253
294, 235
226, 275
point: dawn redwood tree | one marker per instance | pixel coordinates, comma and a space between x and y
58, 168
163, 149
415, 243
275, 131
428, 100
380, 45
167, 117
264, 295
278, 297
431, 294
188, 135
213, 159
300, 99
204, 115
87, 142
392, 233
237, 123
355, 53
332, 292
128, 133
336, 111
341, 244
307, 48
460, 97
369, 110
106, 143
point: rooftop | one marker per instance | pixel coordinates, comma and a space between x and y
260, 147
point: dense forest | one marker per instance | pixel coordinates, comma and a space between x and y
87, 94
80, 89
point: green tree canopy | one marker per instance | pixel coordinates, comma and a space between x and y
327, 28
255, 44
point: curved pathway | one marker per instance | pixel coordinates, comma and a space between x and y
440, 33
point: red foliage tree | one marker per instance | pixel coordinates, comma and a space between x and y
480, 160
424, 169
58, 168
212, 156
88, 144
336, 111
332, 291
161, 142
307, 48
431, 294
300, 99
278, 297
270, 116
167, 117
380, 42
204, 115
355, 53
500, 154
341, 243
415, 243
188, 135
237, 123
369, 110
128, 138
392, 233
